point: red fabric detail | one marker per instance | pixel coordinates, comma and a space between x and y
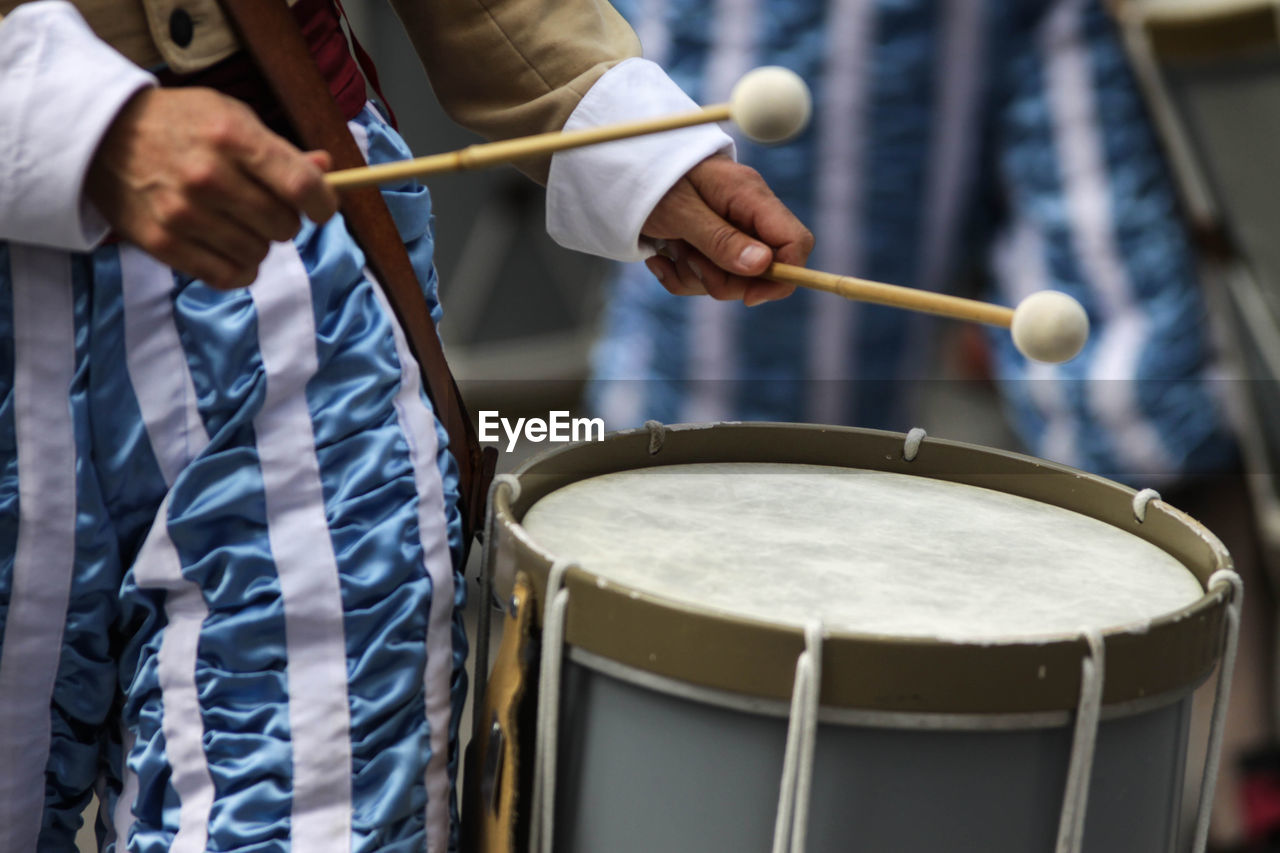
1260, 795
322, 31
367, 66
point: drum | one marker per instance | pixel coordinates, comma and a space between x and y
776, 637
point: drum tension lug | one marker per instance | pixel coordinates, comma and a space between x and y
911, 446
1140, 501
657, 435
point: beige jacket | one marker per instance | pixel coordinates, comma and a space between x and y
501, 68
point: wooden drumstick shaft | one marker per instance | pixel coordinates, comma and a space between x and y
487, 154
897, 296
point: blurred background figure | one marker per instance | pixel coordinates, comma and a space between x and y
1001, 143
988, 146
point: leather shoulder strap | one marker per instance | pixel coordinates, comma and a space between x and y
272, 37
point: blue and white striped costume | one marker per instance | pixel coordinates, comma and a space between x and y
263, 466
947, 136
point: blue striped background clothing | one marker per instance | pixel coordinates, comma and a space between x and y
988, 140
256, 514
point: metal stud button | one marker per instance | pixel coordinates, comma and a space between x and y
181, 28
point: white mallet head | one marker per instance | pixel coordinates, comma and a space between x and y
770, 104
1050, 326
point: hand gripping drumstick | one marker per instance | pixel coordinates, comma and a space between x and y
1047, 326
770, 104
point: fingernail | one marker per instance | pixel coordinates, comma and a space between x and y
753, 301
697, 270
753, 256
656, 269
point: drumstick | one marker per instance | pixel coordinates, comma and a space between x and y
1047, 326
770, 104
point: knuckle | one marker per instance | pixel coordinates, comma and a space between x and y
226, 123
222, 129
301, 184
281, 177
160, 242
175, 212
292, 189
722, 239
201, 174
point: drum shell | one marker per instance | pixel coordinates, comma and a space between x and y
642, 769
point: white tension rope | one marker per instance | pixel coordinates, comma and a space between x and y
542, 827
792, 823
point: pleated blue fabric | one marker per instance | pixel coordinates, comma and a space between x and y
257, 643
993, 146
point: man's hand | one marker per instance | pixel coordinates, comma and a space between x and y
700, 219
194, 178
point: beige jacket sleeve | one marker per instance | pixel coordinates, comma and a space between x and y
506, 68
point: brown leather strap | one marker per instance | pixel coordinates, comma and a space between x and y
270, 34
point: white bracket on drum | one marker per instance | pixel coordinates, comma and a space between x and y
556, 603
911, 446
1140, 501
802, 732
488, 556
657, 435
1075, 798
1225, 668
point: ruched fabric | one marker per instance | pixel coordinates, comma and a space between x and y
59, 569
265, 541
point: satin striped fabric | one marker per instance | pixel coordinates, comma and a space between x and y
248, 493
985, 141
56, 566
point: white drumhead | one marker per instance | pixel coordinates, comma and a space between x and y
865, 551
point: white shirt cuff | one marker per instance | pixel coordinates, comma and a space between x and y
599, 197
60, 89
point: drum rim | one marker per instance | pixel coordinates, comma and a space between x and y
860, 670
